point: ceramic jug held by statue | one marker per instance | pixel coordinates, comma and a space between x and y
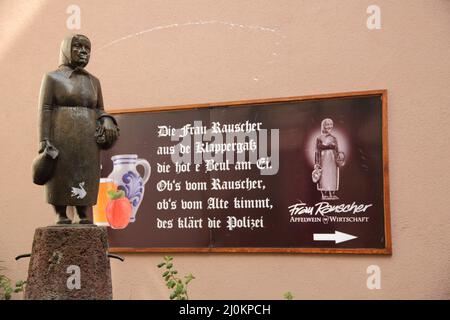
128, 179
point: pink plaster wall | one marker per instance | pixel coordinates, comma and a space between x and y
184, 52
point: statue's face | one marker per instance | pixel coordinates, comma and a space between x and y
81, 52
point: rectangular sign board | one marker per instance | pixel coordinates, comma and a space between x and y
300, 174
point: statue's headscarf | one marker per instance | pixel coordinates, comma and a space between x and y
65, 53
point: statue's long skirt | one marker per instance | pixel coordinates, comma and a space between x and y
76, 177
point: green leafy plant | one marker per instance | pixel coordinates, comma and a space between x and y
288, 295
6, 288
178, 286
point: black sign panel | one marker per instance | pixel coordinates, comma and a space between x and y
302, 174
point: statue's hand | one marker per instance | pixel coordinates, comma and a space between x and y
110, 129
52, 151
44, 144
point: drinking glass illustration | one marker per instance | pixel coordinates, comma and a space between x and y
99, 210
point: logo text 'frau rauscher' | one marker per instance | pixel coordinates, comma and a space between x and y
322, 208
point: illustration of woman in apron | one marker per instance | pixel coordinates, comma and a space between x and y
328, 159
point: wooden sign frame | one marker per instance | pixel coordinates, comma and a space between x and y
387, 250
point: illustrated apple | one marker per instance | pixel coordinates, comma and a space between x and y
118, 209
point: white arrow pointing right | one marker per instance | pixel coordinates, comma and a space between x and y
337, 237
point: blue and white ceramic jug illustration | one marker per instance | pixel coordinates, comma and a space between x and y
129, 180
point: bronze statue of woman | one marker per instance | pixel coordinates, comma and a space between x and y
74, 124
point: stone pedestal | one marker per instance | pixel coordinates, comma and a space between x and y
70, 263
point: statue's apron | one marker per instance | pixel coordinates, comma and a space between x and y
75, 180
